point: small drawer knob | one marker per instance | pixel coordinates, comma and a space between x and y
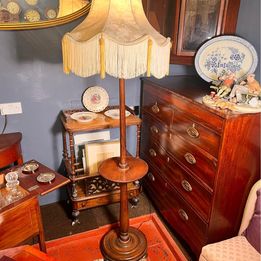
190, 158
183, 215
155, 108
151, 177
193, 132
186, 185
152, 153
154, 129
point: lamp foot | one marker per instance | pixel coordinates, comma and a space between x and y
114, 249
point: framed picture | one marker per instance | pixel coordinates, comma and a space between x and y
96, 153
199, 20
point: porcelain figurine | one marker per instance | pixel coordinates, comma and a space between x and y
227, 82
250, 89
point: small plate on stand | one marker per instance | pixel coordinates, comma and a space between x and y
115, 113
30, 167
84, 116
46, 177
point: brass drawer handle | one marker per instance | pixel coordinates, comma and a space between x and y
151, 177
155, 108
190, 158
154, 129
192, 131
183, 214
152, 153
185, 185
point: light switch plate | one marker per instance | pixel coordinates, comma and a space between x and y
10, 108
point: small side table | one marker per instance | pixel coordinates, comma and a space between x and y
10, 149
22, 219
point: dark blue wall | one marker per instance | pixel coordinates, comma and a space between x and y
31, 72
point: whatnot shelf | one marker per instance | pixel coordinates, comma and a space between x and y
86, 191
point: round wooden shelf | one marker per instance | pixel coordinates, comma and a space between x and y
110, 170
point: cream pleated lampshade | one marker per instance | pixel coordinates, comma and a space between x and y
116, 38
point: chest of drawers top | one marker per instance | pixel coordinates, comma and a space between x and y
188, 88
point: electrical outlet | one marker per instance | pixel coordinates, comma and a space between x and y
10, 108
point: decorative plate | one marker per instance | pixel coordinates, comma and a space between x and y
46, 177
95, 99
13, 7
30, 167
83, 116
115, 113
32, 15
225, 54
50, 13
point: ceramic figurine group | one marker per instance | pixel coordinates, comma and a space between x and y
230, 94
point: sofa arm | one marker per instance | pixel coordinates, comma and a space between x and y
236, 248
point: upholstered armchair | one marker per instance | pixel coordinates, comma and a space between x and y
245, 246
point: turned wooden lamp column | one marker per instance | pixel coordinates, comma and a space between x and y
125, 243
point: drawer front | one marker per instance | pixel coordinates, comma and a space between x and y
157, 107
155, 185
202, 165
152, 129
155, 155
185, 221
191, 130
191, 190
213, 121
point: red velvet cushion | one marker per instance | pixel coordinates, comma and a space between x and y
252, 233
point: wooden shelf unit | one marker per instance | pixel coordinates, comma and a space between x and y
90, 191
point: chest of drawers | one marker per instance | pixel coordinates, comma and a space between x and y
202, 161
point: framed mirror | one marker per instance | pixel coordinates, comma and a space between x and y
36, 14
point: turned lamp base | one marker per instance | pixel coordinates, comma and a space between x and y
113, 249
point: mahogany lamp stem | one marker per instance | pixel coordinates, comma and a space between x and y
125, 243
124, 212
123, 163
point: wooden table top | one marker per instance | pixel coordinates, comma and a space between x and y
28, 180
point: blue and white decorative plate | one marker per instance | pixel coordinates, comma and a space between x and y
223, 55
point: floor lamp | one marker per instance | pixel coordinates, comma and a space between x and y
116, 38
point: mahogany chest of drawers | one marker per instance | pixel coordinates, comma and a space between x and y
202, 161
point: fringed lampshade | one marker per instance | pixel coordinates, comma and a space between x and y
116, 38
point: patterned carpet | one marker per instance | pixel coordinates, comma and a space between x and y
85, 246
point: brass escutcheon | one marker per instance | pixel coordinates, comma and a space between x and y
154, 129
192, 131
190, 158
185, 184
155, 108
151, 177
152, 152
183, 214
